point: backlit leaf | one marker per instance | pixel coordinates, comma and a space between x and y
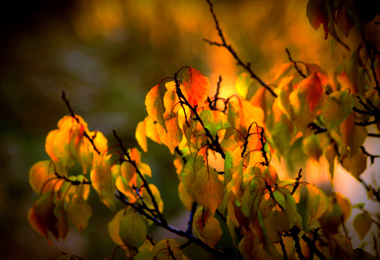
141, 136
242, 84
214, 121
42, 175
171, 136
154, 106
311, 87
101, 178
196, 86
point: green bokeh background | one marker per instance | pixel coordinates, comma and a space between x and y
106, 55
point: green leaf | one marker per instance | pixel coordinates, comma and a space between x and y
79, 212
279, 196
362, 224
114, 227
338, 106
317, 201
281, 136
214, 121
242, 84
133, 228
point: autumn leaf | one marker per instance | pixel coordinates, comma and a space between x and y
207, 227
79, 212
153, 105
167, 249
311, 88
317, 202
171, 135
321, 12
214, 121
196, 86
101, 178
42, 175
338, 106
140, 135
133, 229
208, 189
243, 82
114, 227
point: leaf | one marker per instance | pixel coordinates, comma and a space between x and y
133, 229
167, 249
355, 163
207, 227
214, 121
184, 196
79, 212
196, 86
170, 97
282, 71
338, 106
102, 182
154, 106
42, 175
157, 196
242, 84
208, 189
41, 216
141, 135
279, 196
171, 136
343, 247
362, 224
321, 12
281, 136
311, 87
343, 20
62, 223
317, 202
312, 146
276, 222
123, 186
81, 147
114, 227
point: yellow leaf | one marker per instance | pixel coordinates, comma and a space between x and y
355, 163
207, 227
101, 178
154, 106
171, 136
114, 227
141, 135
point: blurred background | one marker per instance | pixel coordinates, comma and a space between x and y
106, 55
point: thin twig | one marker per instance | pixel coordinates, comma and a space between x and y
295, 64
145, 183
246, 66
91, 139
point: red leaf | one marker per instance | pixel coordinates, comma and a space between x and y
196, 86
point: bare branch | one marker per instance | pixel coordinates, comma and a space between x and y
246, 66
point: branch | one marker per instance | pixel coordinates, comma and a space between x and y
190, 237
246, 66
297, 182
371, 156
295, 64
215, 145
191, 218
145, 183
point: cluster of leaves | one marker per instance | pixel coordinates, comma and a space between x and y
222, 150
